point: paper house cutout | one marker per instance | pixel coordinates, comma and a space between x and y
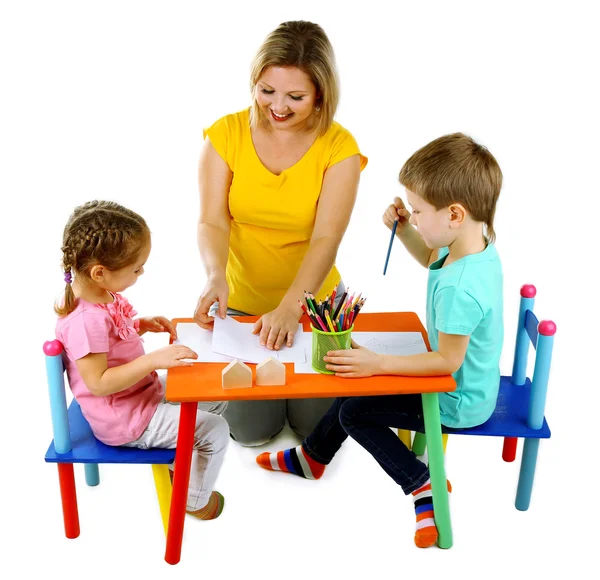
236, 375
270, 372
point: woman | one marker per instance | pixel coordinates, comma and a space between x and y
277, 184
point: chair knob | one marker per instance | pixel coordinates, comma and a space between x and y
528, 291
53, 347
547, 328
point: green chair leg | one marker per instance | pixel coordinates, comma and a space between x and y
419, 443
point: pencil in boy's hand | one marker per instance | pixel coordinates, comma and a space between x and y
387, 258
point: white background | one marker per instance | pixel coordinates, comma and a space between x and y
108, 100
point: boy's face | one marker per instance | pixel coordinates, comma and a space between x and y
433, 224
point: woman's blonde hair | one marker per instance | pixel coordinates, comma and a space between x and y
456, 169
99, 232
303, 45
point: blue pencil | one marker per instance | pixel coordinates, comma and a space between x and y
387, 258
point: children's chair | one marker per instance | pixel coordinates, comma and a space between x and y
74, 442
521, 402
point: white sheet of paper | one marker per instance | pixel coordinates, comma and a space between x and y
396, 343
235, 339
200, 341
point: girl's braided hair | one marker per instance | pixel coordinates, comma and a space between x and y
99, 232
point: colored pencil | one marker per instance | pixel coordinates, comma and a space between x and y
332, 301
308, 313
329, 321
340, 304
311, 304
387, 258
321, 323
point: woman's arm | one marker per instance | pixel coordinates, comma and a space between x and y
338, 195
336, 202
214, 226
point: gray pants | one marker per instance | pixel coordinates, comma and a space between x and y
254, 423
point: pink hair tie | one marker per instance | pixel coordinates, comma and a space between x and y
68, 277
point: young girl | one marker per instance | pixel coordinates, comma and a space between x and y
106, 246
452, 185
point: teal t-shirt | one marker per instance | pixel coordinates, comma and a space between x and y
465, 298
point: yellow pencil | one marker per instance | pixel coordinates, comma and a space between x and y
329, 321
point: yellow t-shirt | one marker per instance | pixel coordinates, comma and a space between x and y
272, 216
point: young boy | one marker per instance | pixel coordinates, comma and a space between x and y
452, 186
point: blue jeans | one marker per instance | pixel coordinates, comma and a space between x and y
368, 420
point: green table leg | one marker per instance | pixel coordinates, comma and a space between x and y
435, 452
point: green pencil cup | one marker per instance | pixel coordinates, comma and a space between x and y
323, 342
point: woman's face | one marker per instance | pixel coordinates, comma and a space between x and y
286, 96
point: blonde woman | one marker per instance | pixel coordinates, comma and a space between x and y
278, 182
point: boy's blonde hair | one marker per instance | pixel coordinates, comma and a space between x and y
303, 45
456, 169
99, 232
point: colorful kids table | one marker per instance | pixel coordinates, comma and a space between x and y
202, 382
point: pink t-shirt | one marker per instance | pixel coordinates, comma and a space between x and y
109, 328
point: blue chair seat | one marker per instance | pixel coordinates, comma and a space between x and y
87, 449
510, 417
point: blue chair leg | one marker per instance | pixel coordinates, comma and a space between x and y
527, 473
92, 475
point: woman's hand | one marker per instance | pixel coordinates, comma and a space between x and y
279, 326
355, 363
396, 212
216, 289
156, 324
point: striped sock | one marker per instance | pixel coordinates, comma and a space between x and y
293, 460
426, 534
212, 510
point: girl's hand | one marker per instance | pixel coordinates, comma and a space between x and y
216, 289
279, 326
171, 356
355, 363
157, 324
396, 212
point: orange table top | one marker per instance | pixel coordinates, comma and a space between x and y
202, 381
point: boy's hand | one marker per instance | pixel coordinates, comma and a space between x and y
157, 324
171, 356
355, 363
396, 212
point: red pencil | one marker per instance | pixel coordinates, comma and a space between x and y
333, 298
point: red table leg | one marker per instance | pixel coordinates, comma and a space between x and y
181, 480
68, 495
